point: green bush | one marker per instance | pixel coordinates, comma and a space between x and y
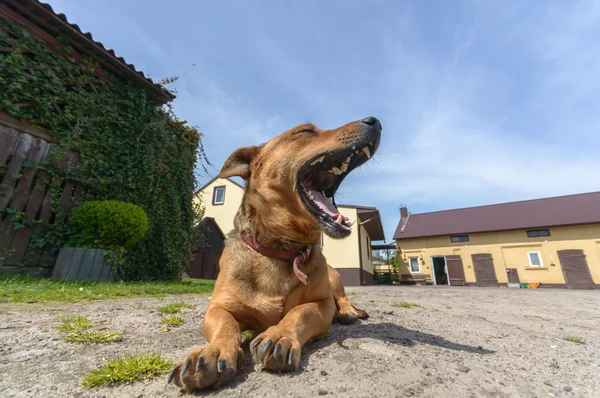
109, 223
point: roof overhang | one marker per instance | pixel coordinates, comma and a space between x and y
42, 16
371, 220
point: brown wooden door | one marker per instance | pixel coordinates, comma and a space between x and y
485, 274
575, 269
513, 275
456, 271
205, 265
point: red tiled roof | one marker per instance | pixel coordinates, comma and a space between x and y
43, 16
537, 213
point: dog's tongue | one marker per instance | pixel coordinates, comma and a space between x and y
325, 205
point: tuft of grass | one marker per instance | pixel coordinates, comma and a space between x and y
248, 336
406, 304
174, 320
78, 329
174, 308
24, 289
127, 369
350, 293
574, 339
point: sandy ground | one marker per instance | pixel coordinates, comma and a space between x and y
468, 342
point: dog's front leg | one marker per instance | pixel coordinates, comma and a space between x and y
280, 346
218, 361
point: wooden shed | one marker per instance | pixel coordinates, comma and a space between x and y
205, 264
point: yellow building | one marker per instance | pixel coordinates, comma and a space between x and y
352, 256
549, 242
221, 199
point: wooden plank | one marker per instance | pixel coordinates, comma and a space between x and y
36, 154
9, 15
10, 121
66, 200
48, 35
36, 197
8, 140
28, 199
46, 212
13, 169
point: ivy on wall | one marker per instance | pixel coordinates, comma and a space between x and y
131, 149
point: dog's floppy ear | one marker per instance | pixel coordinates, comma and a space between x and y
238, 163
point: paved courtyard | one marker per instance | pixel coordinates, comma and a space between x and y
458, 342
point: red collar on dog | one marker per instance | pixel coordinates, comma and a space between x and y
288, 255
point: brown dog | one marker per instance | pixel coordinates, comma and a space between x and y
273, 276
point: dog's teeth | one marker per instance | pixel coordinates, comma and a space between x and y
353, 147
344, 167
348, 159
351, 222
319, 160
330, 200
339, 220
336, 171
367, 151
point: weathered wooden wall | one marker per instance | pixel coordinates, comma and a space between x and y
25, 188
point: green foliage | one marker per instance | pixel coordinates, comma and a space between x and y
406, 304
132, 149
574, 339
174, 308
103, 224
394, 262
23, 289
127, 369
79, 329
174, 320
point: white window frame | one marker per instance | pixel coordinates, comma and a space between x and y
215, 196
531, 265
410, 265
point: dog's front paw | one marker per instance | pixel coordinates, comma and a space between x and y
276, 349
348, 314
206, 367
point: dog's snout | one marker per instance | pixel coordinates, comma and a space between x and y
371, 121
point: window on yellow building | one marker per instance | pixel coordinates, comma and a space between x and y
415, 267
459, 238
219, 195
535, 259
538, 232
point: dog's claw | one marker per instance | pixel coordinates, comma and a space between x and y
185, 366
263, 350
291, 358
172, 374
276, 351
256, 342
199, 364
220, 366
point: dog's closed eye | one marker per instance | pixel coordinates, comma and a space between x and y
307, 131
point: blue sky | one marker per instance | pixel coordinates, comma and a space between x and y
481, 101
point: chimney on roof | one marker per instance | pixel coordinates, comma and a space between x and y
403, 211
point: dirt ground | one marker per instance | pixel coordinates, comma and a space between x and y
467, 342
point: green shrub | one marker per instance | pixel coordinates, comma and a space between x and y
109, 223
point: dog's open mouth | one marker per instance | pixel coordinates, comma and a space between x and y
319, 180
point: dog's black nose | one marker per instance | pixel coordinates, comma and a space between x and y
371, 121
